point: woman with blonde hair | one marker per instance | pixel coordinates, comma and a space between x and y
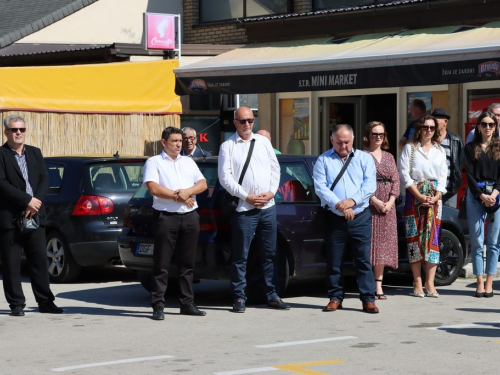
384, 247
423, 171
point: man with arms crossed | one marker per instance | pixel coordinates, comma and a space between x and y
349, 217
24, 183
174, 180
256, 212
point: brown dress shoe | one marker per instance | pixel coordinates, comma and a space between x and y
370, 308
333, 305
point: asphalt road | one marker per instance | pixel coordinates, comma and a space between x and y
107, 329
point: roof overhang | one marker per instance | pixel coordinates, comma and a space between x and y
453, 54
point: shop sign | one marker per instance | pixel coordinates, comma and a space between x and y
452, 72
160, 31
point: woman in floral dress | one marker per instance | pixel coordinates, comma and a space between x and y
384, 248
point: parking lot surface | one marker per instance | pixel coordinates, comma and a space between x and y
107, 329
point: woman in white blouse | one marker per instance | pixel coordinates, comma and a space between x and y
423, 171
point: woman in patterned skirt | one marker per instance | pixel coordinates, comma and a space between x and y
423, 172
384, 248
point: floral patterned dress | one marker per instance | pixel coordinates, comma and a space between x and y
384, 248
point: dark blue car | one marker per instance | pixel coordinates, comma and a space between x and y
300, 250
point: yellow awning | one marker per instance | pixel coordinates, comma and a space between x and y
131, 87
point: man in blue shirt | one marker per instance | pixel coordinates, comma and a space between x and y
349, 217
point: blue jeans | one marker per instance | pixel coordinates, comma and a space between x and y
476, 215
358, 234
245, 225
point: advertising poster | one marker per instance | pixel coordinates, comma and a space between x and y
425, 96
301, 119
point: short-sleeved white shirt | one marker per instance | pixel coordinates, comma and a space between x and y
181, 173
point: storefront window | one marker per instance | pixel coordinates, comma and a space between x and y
294, 126
221, 10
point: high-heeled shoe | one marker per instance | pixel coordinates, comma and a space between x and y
415, 294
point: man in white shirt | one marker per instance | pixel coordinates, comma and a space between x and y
174, 181
255, 216
493, 108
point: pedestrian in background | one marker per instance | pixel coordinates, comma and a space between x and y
453, 146
349, 219
384, 245
189, 143
423, 172
493, 108
266, 134
255, 216
24, 183
174, 180
482, 168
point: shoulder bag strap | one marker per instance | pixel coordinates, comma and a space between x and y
245, 167
412, 155
339, 176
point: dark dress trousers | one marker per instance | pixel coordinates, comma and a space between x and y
13, 201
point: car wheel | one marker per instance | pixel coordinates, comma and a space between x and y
451, 259
62, 267
255, 290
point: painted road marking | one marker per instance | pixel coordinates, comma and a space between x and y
469, 325
306, 342
60, 369
247, 371
297, 368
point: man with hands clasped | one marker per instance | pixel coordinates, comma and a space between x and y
255, 216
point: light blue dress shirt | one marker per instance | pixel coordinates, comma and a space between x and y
359, 181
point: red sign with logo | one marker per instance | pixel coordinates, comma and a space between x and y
160, 31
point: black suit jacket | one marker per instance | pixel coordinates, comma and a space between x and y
198, 154
13, 196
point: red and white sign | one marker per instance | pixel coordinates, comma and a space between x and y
160, 31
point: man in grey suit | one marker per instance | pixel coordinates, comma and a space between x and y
189, 144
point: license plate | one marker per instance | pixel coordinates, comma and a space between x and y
144, 249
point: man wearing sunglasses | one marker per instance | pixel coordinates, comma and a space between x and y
189, 144
493, 108
455, 157
24, 183
255, 216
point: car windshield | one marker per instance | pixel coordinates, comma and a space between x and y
114, 177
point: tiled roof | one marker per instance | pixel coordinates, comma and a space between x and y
20, 18
23, 49
332, 11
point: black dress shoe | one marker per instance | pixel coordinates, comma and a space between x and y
192, 309
278, 304
49, 308
17, 311
479, 295
488, 295
239, 306
158, 313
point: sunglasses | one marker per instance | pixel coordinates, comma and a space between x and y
188, 138
431, 128
377, 135
243, 121
487, 124
14, 130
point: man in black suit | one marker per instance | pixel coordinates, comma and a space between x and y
24, 183
189, 144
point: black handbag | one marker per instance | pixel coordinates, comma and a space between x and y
319, 218
462, 208
230, 202
27, 224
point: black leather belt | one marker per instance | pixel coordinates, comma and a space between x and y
384, 180
166, 213
343, 217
